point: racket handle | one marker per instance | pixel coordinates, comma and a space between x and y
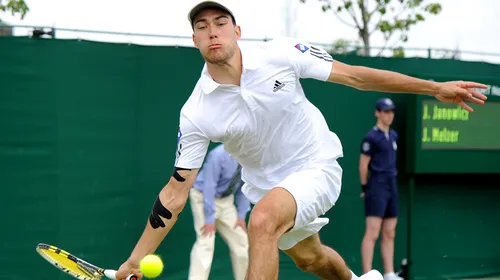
111, 274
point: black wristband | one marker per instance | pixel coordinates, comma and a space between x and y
363, 187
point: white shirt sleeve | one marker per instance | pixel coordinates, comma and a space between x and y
192, 145
309, 61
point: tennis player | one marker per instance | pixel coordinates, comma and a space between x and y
250, 99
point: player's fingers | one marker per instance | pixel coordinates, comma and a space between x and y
474, 85
465, 106
475, 100
463, 93
477, 95
124, 276
137, 273
471, 97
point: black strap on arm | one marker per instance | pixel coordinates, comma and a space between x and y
178, 176
157, 211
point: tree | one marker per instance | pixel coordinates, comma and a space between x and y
341, 46
448, 54
14, 7
398, 52
389, 17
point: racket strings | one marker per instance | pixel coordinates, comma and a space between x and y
63, 260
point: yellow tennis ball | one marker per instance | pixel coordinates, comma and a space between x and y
151, 266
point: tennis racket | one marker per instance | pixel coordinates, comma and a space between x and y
75, 266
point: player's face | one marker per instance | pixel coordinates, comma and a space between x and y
386, 117
215, 36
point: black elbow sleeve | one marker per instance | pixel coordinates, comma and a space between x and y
158, 211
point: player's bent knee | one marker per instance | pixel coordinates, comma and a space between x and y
262, 222
274, 214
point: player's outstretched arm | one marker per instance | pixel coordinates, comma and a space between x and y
164, 213
365, 78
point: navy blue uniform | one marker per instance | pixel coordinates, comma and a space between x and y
381, 196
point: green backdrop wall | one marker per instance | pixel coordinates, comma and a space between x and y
87, 139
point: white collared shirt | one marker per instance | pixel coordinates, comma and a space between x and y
266, 123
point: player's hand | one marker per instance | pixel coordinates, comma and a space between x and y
242, 224
362, 195
208, 230
460, 92
126, 269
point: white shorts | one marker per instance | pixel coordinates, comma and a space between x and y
315, 189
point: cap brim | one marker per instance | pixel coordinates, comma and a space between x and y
207, 5
387, 108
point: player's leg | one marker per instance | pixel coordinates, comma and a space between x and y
272, 216
311, 256
302, 243
375, 207
235, 238
291, 213
203, 248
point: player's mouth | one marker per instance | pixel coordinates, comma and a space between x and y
215, 46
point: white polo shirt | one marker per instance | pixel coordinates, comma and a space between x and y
266, 123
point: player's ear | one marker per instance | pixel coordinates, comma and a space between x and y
195, 42
237, 30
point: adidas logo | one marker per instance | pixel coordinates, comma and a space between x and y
278, 85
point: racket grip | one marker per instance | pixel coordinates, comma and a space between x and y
111, 274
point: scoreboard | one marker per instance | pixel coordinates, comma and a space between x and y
443, 138
448, 126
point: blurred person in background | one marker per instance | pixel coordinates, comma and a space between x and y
212, 202
378, 176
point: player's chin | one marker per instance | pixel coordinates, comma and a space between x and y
216, 57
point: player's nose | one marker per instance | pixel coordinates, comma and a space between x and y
212, 32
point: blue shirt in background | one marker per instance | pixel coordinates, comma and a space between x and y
382, 149
215, 179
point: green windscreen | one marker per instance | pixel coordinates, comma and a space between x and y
88, 134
